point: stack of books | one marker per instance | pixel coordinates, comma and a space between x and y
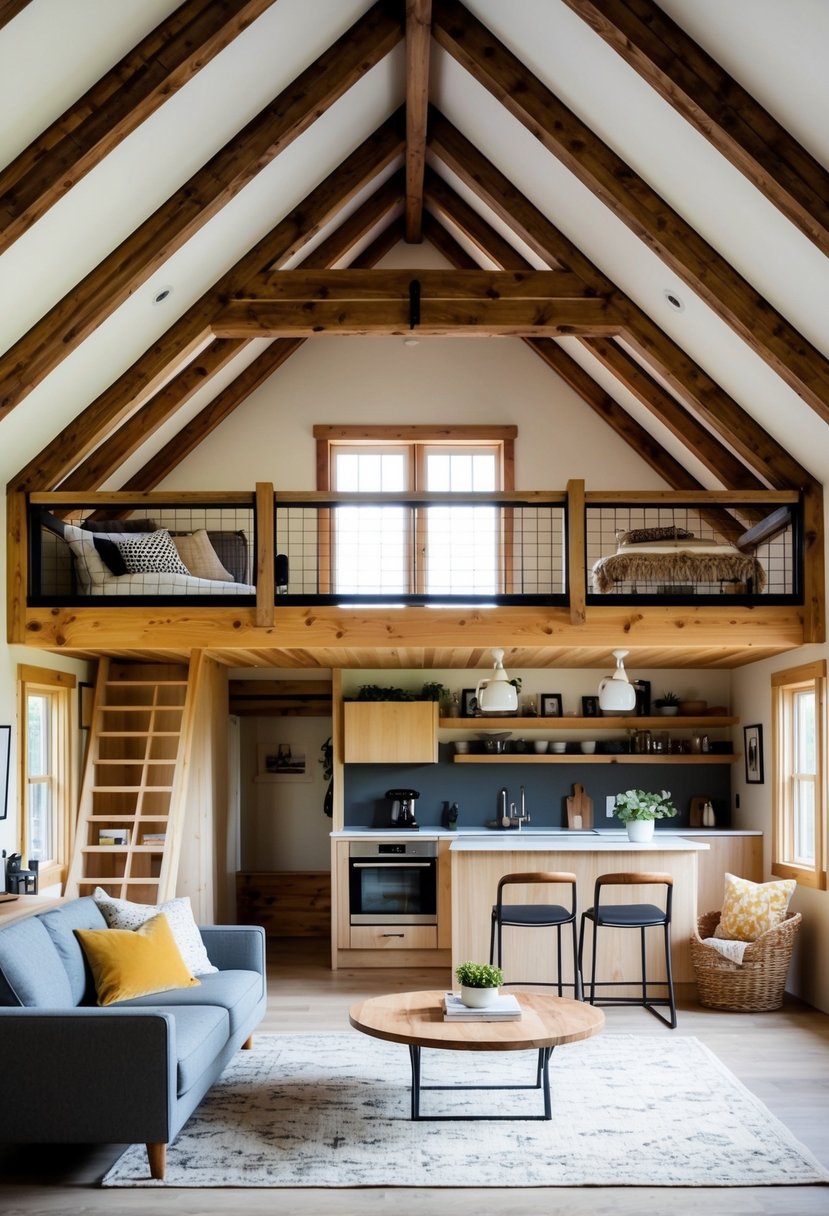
504, 1008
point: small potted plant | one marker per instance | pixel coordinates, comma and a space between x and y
479, 983
667, 704
638, 809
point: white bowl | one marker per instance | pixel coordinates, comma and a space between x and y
558, 747
588, 747
540, 746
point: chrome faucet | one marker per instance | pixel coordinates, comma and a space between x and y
522, 816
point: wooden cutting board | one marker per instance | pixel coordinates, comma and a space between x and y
579, 805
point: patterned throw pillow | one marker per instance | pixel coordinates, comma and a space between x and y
641, 536
152, 554
122, 914
752, 908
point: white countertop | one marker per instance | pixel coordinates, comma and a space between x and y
549, 834
572, 842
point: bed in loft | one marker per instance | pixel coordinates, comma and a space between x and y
126, 558
672, 560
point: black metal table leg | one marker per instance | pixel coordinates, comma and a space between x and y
542, 1082
414, 1057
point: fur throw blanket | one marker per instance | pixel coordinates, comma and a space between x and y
681, 566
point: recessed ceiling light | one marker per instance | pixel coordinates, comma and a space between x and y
674, 300
162, 294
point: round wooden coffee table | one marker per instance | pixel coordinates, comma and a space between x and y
416, 1019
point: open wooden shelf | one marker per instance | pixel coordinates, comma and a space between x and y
601, 723
581, 758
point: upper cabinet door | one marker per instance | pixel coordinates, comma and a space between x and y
391, 732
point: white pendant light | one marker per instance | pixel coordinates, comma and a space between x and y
616, 694
496, 695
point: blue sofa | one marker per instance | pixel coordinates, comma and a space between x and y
132, 1072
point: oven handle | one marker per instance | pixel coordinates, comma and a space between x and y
401, 865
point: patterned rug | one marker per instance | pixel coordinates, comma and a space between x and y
333, 1111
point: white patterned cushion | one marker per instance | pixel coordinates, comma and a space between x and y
752, 908
122, 914
153, 553
89, 565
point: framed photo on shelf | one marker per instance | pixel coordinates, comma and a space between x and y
753, 736
469, 703
551, 705
643, 697
590, 707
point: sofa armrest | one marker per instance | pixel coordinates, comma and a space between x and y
87, 1075
235, 947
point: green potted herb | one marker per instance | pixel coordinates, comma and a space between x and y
667, 704
479, 983
638, 809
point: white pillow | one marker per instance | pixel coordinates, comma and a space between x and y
89, 566
151, 553
122, 914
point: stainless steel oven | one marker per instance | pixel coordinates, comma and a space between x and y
393, 882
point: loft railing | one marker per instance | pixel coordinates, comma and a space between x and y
562, 549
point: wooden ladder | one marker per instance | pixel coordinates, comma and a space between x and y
133, 794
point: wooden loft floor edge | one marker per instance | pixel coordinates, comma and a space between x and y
335, 637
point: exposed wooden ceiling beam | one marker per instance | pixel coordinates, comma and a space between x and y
418, 41
700, 442
764, 330
468, 284
335, 247
690, 381
718, 107
115, 105
449, 318
66, 325
108, 457
10, 8
185, 336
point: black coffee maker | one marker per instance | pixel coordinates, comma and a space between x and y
401, 810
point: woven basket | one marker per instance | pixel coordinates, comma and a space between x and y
754, 986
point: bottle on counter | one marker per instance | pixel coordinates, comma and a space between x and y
450, 816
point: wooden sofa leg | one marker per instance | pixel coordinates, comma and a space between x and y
157, 1157
248, 1043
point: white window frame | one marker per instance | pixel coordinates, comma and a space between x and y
59, 688
786, 685
419, 441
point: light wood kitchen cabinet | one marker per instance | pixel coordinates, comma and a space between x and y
390, 732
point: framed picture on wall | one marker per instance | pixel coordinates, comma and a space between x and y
590, 707
281, 762
551, 705
469, 703
753, 737
5, 755
643, 697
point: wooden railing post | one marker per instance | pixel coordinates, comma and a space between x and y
17, 565
265, 557
576, 565
814, 566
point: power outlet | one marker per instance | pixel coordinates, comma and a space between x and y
610, 805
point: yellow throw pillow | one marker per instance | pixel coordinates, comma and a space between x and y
752, 908
127, 963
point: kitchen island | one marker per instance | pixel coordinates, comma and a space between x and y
478, 862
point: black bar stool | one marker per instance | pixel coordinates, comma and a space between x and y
632, 916
536, 916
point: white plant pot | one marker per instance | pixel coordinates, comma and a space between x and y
640, 831
669, 711
478, 998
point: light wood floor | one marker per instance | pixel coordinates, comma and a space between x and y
783, 1057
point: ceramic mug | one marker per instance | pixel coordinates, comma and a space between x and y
540, 746
558, 747
588, 747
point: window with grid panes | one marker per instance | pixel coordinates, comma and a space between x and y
799, 806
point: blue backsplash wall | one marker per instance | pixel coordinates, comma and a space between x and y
475, 789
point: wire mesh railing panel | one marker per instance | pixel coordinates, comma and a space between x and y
674, 552
423, 552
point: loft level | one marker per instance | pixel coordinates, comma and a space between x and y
558, 579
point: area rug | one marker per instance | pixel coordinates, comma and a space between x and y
333, 1111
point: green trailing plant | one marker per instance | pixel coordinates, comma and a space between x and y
376, 692
434, 691
640, 804
479, 975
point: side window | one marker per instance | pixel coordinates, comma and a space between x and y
47, 771
799, 793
